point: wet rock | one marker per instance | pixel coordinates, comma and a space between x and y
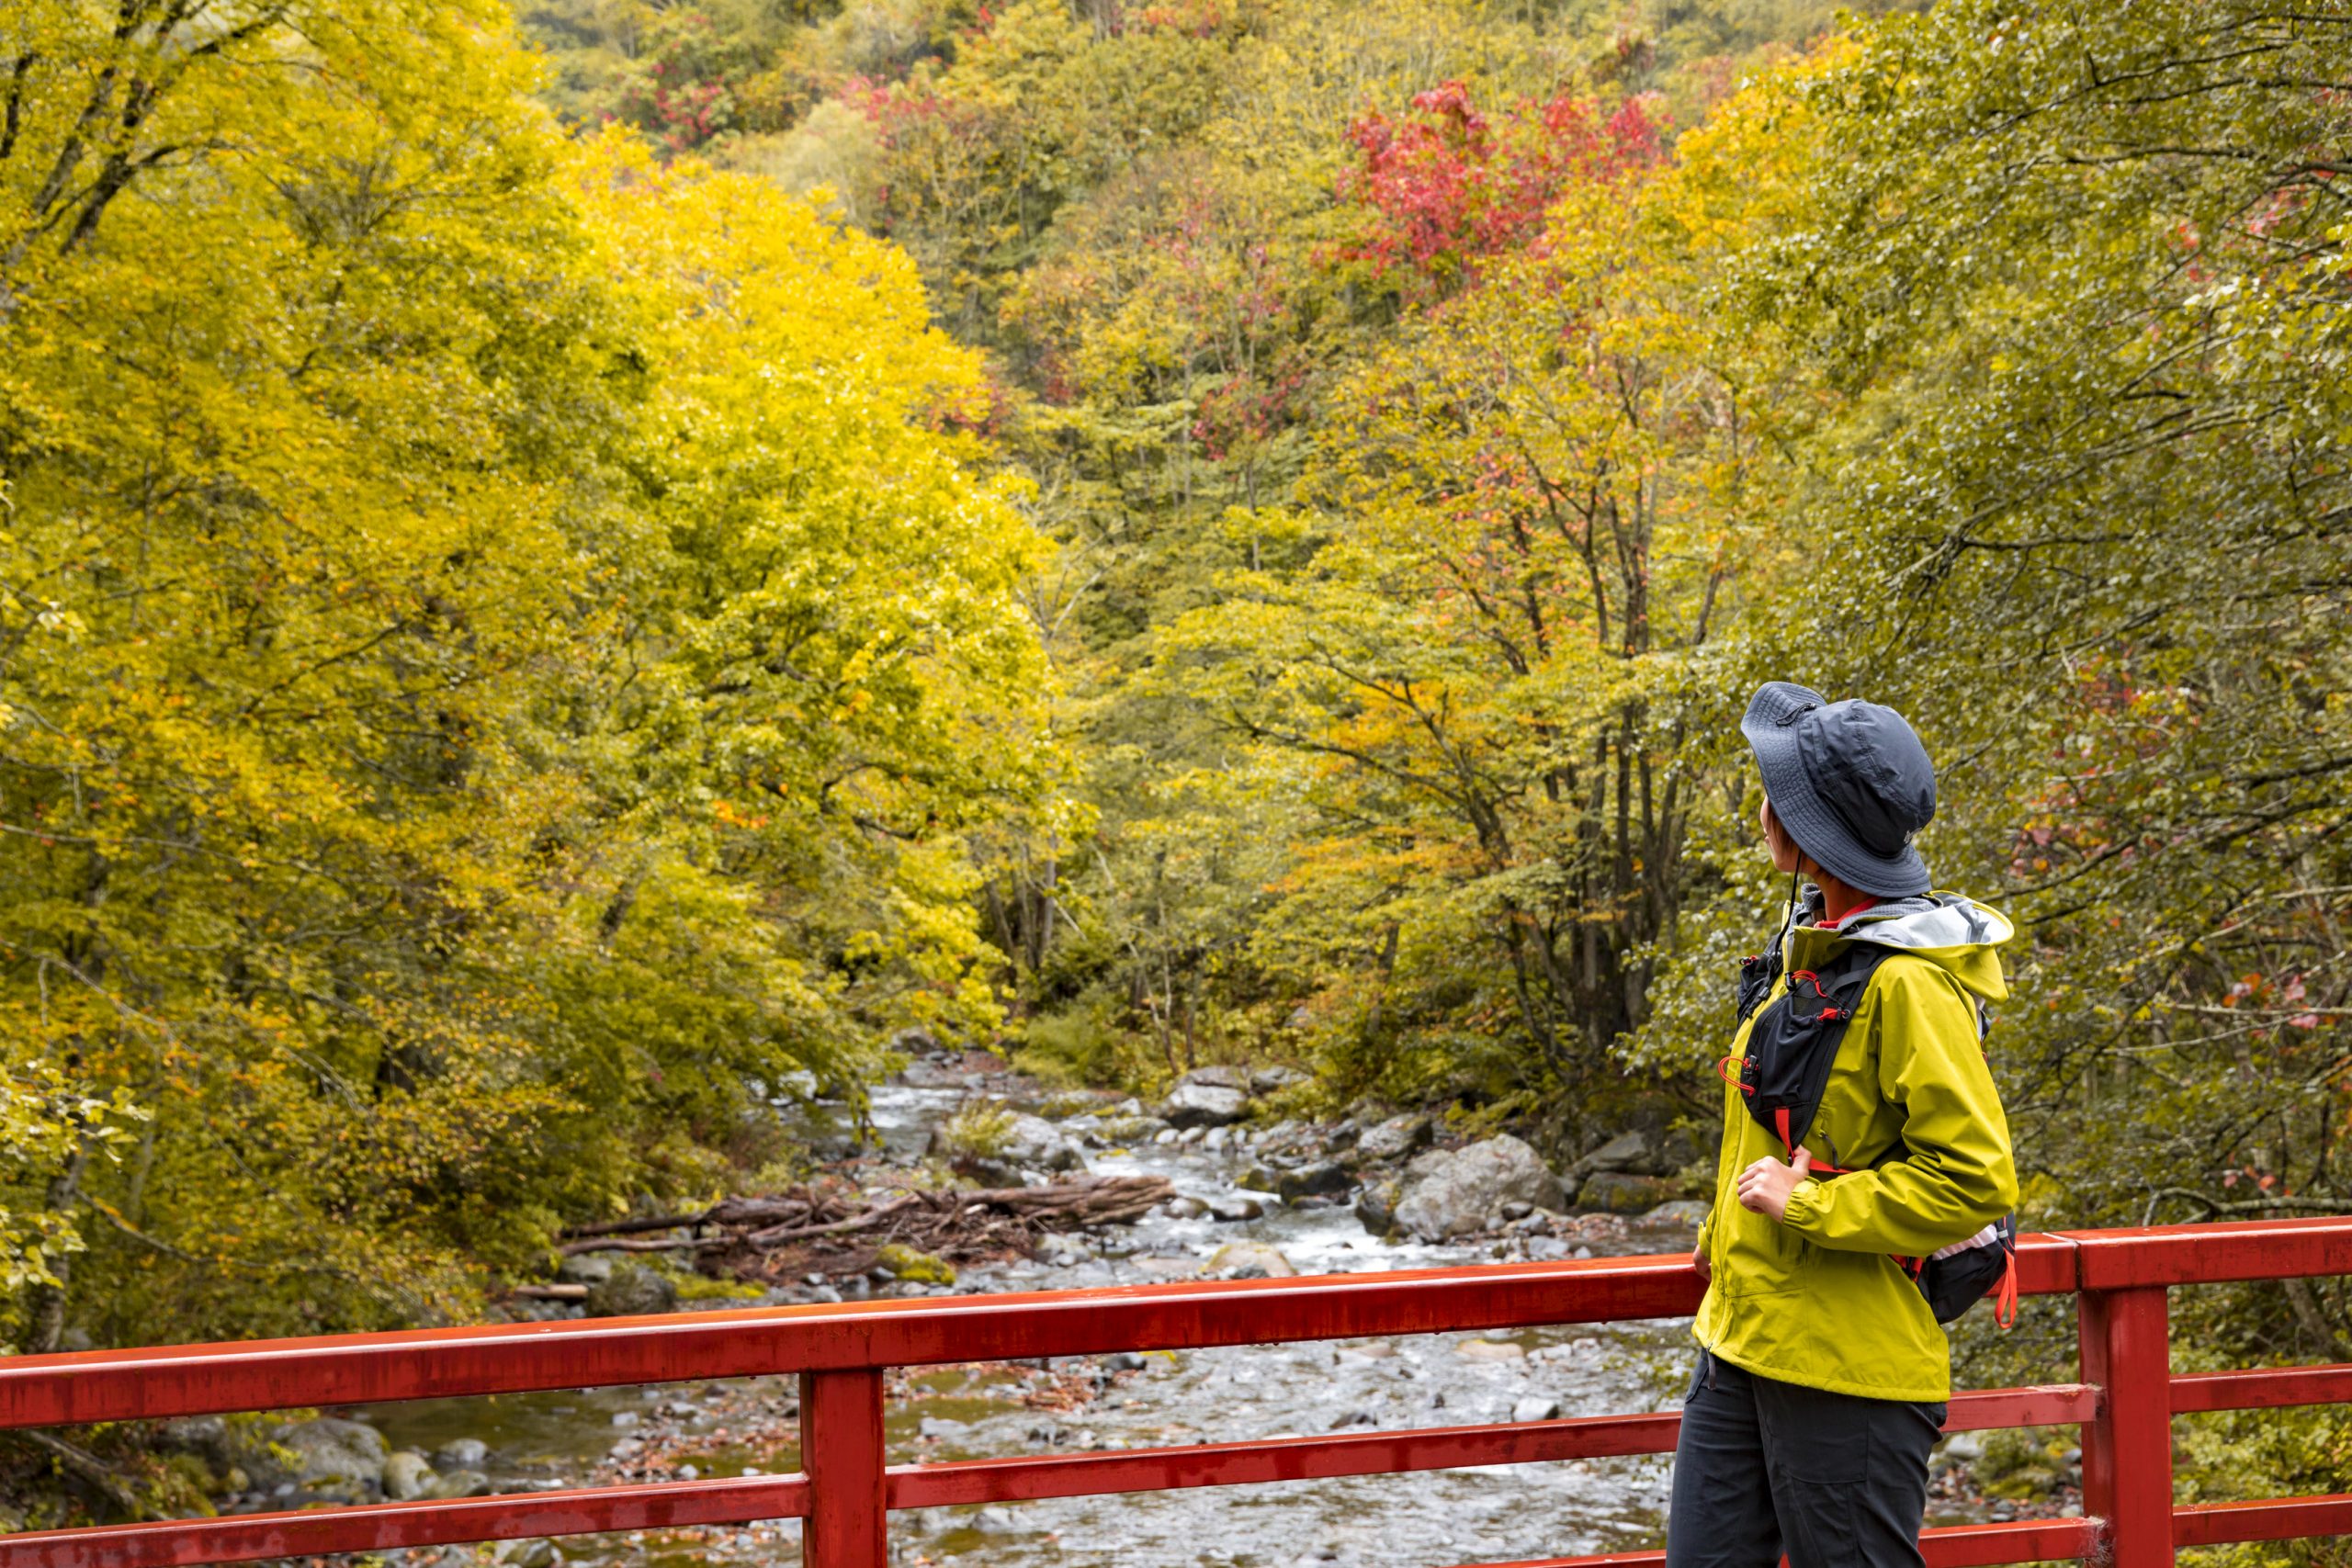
1187, 1207
1377, 1206
632, 1290
914, 1042
1491, 1350
1612, 1193
1233, 1211
1321, 1179
1217, 1138
534, 1553
1395, 1138
457, 1483
1250, 1260
1123, 1361
587, 1268
461, 1453
1132, 1129
406, 1475
1260, 1179
1032, 1142
330, 1454
1191, 1135
1353, 1418
1626, 1151
1450, 1193
1547, 1248
1194, 1104
1691, 1211
1537, 1407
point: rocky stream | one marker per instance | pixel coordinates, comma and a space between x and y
1247, 1199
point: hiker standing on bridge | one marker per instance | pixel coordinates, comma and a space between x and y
1865, 1178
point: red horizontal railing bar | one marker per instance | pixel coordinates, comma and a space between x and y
2262, 1388
112, 1386
2210, 1254
2046, 1404
382, 1525
1949, 1546
1280, 1459
2278, 1518
1384, 1452
363, 1369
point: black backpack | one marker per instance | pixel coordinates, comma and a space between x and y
1783, 1075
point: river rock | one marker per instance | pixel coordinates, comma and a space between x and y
1536, 1407
1691, 1212
330, 1454
1134, 1129
1395, 1138
1195, 1104
457, 1483
1377, 1206
1233, 1211
461, 1453
1321, 1179
1547, 1248
1187, 1207
587, 1268
1491, 1350
1613, 1192
1450, 1193
1266, 1081
632, 1290
1250, 1260
1032, 1142
406, 1475
1626, 1151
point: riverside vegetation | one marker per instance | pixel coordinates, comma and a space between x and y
569, 576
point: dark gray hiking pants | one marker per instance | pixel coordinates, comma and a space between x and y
1764, 1466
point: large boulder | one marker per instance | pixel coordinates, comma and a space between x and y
1450, 1192
1612, 1193
1395, 1138
1198, 1104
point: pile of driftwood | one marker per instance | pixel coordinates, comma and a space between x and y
831, 1228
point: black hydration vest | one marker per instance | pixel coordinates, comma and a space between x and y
1785, 1073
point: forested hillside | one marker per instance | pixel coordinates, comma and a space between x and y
566, 572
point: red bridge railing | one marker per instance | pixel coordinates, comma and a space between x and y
2124, 1401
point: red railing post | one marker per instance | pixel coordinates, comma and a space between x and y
840, 1453
2127, 1447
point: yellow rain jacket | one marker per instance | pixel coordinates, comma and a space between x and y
1817, 1299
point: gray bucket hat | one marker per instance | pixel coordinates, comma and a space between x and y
1848, 780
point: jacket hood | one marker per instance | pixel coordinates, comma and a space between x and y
1947, 928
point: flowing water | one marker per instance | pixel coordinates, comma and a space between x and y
570, 1438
